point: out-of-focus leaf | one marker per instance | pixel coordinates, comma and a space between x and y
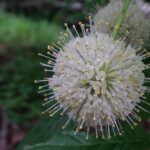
18, 31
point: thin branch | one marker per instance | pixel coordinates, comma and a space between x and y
121, 18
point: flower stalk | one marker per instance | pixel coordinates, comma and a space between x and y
121, 18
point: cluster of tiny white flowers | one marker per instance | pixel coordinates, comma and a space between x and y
135, 21
96, 80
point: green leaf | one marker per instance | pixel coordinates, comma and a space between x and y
48, 135
22, 32
145, 115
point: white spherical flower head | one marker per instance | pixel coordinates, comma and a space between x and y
96, 81
135, 21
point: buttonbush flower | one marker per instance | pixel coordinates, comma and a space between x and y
135, 21
96, 80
